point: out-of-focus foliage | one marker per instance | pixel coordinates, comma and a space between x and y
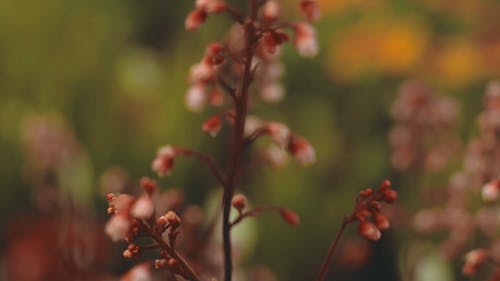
116, 71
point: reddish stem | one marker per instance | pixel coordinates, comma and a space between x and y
237, 143
207, 159
328, 259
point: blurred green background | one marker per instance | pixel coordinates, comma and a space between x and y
116, 73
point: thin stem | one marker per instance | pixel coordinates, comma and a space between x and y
204, 158
254, 212
237, 140
324, 268
171, 252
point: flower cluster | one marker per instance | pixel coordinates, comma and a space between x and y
133, 219
480, 174
368, 210
422, 138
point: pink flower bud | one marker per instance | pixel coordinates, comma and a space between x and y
121, 203
491, 190
390, 195
474, 260
149, 185
172, 218
278, 132
139, 272
275, 156
216, 98
305, 40
252, 123
239, 202
310, 9
195, 97
290, 217
272, 93
369, 231
201, 72
164, 161
160, 263
212, 125
117, 227
381, 222
143, 208
271, 10
195, 19
210, 6
302, 150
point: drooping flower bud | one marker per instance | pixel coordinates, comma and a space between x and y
271, 10
117, 227
212, 125
310, 9
143, 208
239, 202
164, 161
302, 150
305, 40
139, 272
195, 97
290, 217
195, 19
474, 260
369, 231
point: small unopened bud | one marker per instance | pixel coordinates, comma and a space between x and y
366, 192
278, 132
212, 125
149, 185
290, 217
239, 202
173, 263
390, 196
128, 254
216, 98
172, 218
195, 19
271, 10
195, 98
302, 150
117, 227
164, 161
381, 222
140, 272
369, 231
272, 93
143, 208
305, 40
491, 191
386, 184
310, 9
160, 263
474, 260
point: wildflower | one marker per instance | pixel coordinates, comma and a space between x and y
290, 217
474, 260
195, 19
305, 40
302, 150
117, 227
143, 208
164, 161
310, 9
239, 202
195, 97
369, 231
212, 125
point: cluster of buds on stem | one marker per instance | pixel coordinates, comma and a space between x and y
368, 210
133, 219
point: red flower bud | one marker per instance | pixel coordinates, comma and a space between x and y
369, 231
290, 217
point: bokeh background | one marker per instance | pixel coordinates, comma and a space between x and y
95, 87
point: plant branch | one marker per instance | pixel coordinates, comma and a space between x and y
207, 159
324, 267
237, 139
